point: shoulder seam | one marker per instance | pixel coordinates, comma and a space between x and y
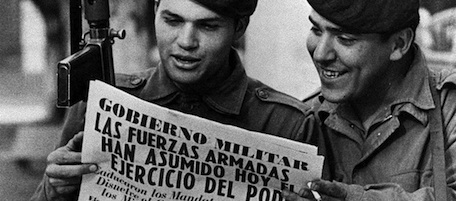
266, 94
133, 80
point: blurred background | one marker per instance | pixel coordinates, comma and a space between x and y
35, 36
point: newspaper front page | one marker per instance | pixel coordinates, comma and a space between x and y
149, 153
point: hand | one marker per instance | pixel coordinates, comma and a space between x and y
328, 190
65, 169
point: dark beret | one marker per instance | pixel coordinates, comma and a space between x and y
369, 16
230, 8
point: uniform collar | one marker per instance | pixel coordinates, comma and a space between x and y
413, 94
415, 87
226, 99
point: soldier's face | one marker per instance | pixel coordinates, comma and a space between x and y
193, 41
349, 65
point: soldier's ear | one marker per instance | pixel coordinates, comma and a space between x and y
241, 26
402, 42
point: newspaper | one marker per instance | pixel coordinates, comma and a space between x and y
149, 153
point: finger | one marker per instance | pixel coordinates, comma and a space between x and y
329, 188
69, 171
64, 182
63, 156
62, 190
305, 193
291, 196
75, 144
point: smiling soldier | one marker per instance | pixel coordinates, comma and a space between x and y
387, 120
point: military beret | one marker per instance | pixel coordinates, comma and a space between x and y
230, 8
369, 16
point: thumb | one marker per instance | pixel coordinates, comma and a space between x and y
75, 144
333, 189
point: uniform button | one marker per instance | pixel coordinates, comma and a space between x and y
378, 134
352, 126
263, 94
135, 80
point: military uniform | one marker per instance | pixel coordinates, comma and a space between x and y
391, 160
239, 101
411, 143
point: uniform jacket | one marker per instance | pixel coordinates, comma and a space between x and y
392, 159
240, 101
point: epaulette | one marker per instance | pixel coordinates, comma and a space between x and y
133, 80
443, 75
268, 94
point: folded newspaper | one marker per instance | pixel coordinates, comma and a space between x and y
150, 153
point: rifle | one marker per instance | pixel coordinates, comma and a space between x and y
90, 59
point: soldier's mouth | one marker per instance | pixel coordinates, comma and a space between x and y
331, 74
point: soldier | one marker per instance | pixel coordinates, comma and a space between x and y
387, 120
199, 74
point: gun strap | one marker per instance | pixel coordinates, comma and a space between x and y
437, 142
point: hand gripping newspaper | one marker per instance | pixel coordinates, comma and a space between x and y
149, 153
